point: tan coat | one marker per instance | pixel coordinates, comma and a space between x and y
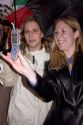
8, 76
25, 108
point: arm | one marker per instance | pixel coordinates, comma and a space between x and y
8, 76
45, 88
21, 67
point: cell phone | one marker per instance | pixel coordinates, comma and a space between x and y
14, 43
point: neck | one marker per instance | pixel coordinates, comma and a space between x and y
70, 52
33, 49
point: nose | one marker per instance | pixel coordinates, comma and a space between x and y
59, 35
30, 34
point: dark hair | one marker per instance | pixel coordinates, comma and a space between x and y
1, 21
7, 23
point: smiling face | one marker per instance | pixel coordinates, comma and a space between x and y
33, 35
65, 38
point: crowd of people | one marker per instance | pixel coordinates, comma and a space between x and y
47, 76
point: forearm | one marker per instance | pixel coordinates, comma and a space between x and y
42, 87
31, 76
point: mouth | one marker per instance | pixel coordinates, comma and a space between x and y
31, 41
61, 42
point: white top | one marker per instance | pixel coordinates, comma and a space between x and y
25, 108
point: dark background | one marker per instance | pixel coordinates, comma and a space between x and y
48, 10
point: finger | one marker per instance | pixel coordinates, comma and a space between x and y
7, 58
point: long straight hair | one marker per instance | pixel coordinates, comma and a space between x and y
58, 57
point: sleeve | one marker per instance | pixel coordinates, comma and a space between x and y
8, 76
45, 87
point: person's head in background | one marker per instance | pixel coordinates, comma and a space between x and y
67, 40
7, 26
6, 41
32, 35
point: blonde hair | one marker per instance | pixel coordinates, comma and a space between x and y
58, 57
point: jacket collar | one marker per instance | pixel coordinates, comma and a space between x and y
77, 70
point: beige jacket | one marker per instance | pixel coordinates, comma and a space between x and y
25, 108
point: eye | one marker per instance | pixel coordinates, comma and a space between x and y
64, 31
35, 30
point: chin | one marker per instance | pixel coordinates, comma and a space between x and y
61, 48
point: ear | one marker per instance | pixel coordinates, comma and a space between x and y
76, 34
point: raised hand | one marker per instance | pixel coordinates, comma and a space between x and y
21, 66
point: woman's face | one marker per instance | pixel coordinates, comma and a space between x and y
33, 35
65, 38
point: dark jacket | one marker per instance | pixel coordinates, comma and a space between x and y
66, 91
